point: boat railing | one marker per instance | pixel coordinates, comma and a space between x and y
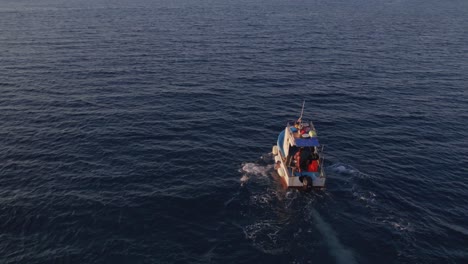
322, 162
291, 123
311, 125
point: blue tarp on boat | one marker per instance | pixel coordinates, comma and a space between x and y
307, 142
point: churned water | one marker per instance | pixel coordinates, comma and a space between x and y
140, 131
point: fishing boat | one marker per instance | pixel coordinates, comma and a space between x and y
299, 156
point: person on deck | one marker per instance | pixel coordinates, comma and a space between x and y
297, 159
313, 163
304, 130
313, 166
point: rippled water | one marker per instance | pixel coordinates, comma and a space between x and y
140, 131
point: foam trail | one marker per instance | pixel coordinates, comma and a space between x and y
256, 169
244, 179
337, 250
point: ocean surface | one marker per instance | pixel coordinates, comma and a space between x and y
141, 131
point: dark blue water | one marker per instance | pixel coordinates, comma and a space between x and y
140, 131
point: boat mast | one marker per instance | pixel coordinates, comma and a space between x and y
302, 112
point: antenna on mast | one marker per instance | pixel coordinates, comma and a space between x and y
302, 112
